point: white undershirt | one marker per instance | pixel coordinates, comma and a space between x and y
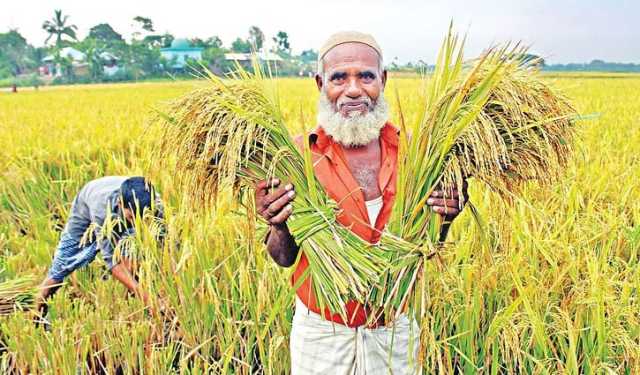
373, 209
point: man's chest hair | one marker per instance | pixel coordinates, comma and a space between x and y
366, 174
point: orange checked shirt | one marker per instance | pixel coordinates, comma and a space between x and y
332, 170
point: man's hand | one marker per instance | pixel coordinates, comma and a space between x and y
275, 207
123, 272
448, 206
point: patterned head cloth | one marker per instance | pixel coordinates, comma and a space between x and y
348, 37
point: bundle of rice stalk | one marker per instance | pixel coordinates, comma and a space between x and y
17, 294
222, 139
496, 122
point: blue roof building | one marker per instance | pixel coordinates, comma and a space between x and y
179, 52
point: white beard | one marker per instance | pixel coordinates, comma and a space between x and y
355, 130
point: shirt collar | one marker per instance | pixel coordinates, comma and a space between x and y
112, 201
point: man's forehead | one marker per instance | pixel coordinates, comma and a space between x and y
351, 53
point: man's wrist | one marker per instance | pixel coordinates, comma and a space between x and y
444, 230
281, 227
275, 230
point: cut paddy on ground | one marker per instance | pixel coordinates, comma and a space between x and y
554, 287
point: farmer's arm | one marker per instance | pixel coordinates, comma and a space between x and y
121, 269
275, 207
122, 273
77, 224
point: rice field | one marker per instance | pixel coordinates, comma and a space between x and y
552, 287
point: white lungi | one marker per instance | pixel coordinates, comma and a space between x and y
321, 347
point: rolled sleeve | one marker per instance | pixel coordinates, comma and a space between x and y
78, 220
70, 254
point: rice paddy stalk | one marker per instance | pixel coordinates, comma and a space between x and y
230, 135
495, 122
18, 294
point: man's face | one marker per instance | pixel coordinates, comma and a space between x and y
353, 79
128, 215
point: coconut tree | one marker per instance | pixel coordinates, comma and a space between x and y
58, 27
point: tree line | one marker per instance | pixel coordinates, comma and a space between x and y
138, 58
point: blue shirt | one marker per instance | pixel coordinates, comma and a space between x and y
94, 204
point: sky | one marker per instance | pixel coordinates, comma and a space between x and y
562, 31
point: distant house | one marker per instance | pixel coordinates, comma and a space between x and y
245, 59
69, 52
179, 52
78, 63
109, 63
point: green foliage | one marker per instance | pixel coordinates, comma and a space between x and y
93, 51
158, 41
309, 56
105, 33
283, 48
145, 23
30, 80
241, 46
594, 66
212, 42
142, 60
16, 55
215, 60
66, 67
59, 28
256, 38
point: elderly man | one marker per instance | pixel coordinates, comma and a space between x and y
355, 159
111, 201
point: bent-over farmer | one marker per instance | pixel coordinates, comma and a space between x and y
115, 200
354, 151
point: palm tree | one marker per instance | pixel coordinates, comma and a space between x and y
58, 26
